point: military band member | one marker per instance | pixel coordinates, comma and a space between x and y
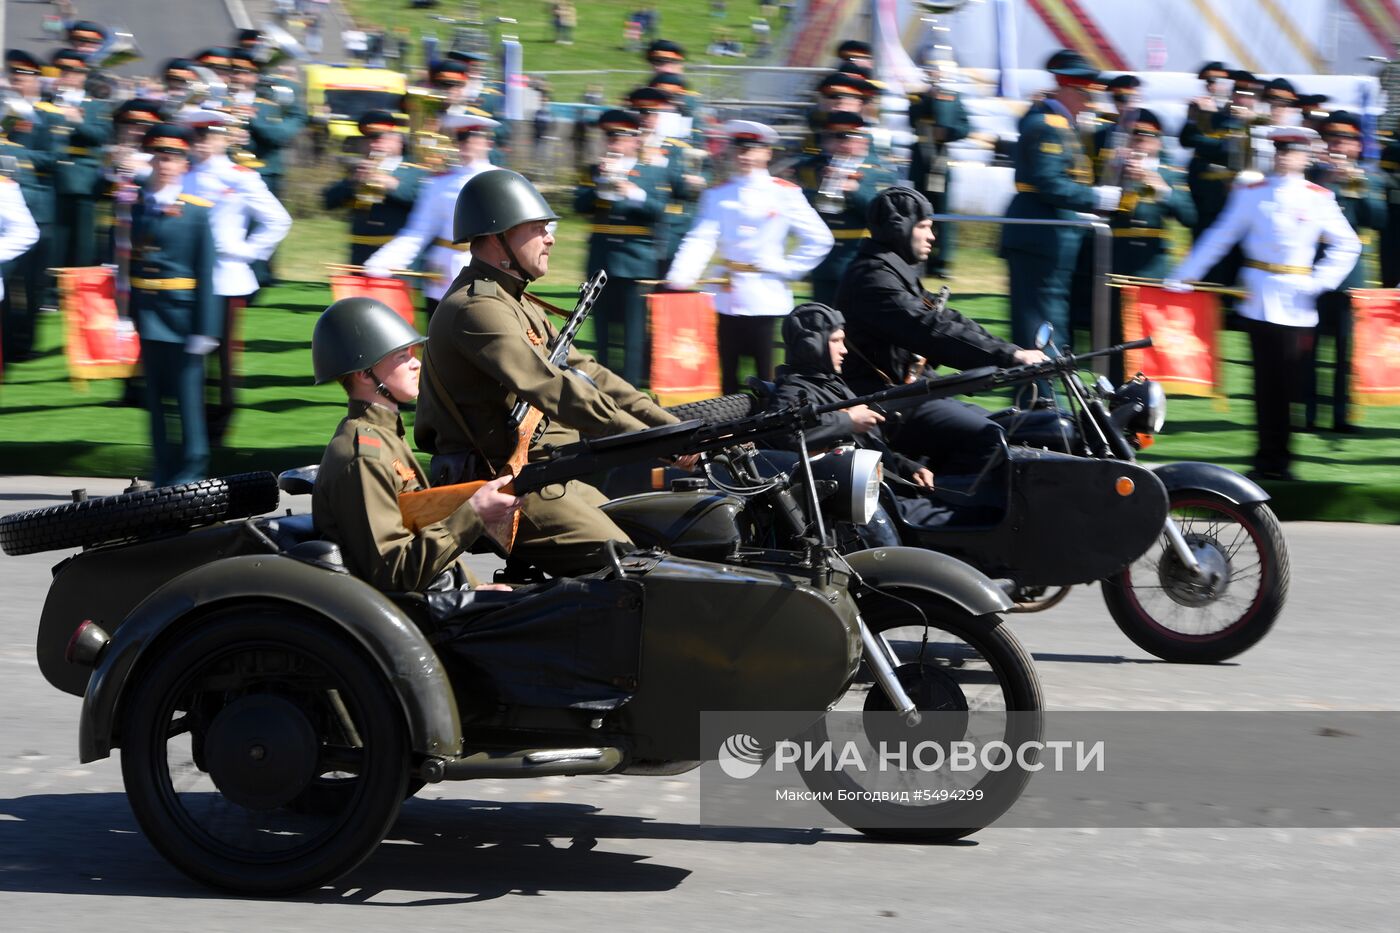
683, 159
381, 189
272, 125
486, 350
1390, 233
27, 121
937, 117
1223, 151
857, 51
1054, 181
366, 347
124, 167
667, 60
1200, 111
838, 92
840, 182
1362, 202
249, 223
1283, 275
86, 37
80, 130
744, 225
429, 226
481, 96
173, 304
625, 200
177, 77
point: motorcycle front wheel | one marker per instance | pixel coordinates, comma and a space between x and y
976, 683
1199, 619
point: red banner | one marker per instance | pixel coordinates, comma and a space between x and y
1184, 327
1375, 354
96, 342
684, 347
393, 292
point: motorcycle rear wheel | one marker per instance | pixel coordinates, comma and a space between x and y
1157, 605
965, 662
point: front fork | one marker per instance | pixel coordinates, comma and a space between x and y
882, 664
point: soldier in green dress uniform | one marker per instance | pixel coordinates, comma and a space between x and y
27, 140
625, 199
840, 182
272, 125
175, 308
380, 189
667, 60
937, 117
1362, 198
81, 127
1054, 181
1390, 233
684, 161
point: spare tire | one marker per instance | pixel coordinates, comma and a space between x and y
724, 408
142, 514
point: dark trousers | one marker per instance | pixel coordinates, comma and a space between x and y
75, 231
225, 371
174, 375
1335, 318
824, 290
1039, 294
1390, 255
430, 305
744, 336
952, 435
945, 243
360, 253
622, 304
1278, 354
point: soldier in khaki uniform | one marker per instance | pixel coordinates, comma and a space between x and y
487, 349
369, 349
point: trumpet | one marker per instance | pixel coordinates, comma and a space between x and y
831, 197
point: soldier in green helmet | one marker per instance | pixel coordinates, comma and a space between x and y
366, 347
487, 348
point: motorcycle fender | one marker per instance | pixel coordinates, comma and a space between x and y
936, 573
344, 603
1212, 478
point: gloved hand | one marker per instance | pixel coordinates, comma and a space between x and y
200, 345
1177, 286
1107, 197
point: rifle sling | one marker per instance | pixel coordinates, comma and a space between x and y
446, 400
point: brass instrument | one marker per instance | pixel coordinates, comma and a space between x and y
425, 107
120, 49
831, 196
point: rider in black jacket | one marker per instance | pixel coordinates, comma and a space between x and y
893, 318
815, 337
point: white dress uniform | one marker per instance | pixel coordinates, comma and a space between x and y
1279, 223
746, 222
240, 196
18, 232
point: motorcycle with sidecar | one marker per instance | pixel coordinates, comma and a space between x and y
1190, 559
273, 711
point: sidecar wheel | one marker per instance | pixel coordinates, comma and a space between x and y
232, 725
958, 662
1164, 610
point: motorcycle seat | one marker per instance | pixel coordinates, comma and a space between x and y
296, 536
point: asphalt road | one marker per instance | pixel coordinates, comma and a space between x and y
630, 852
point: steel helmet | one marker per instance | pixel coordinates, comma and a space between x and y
495, 201
355, 333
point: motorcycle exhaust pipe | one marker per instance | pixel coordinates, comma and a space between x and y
524, 763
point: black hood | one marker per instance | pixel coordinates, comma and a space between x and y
892, 216
806, 333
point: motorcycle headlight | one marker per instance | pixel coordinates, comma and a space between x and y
857, 474
1151, 402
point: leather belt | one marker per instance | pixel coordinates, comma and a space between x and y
734, 266
1278, 269
1024, 188
620, 230
1149, 232
364, 239
163, 285
850, 234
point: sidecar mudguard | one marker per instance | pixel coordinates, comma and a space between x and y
935, 573
1209, 477
348, 607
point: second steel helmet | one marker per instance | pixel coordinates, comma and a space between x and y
355, 333
494, 202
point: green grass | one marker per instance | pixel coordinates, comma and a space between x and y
598, 41
50, 425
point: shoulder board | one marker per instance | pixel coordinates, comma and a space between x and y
913, 98
46, 107
8, 142
679, 143
368, 444
785, 183
1057, 121
196, 200
263, 100
1262, 182
483, 288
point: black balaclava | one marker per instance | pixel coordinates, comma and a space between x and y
892, 216
806, 332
